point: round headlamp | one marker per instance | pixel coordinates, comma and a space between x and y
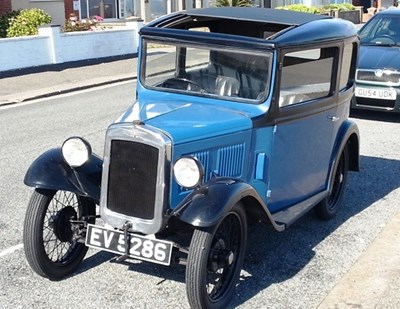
188, 172
76, 151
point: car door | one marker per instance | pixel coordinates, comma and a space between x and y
305, 126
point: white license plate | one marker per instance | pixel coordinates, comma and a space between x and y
376, 93
142, 248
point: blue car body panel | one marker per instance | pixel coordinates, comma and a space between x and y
192, 122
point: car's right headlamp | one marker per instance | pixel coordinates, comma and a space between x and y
188, 172
76, 151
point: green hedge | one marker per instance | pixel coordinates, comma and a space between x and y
27, 22
300, 8
340, 7
317, 10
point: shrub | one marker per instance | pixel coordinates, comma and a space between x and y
27, 22
73, 24
300, 8
5, 22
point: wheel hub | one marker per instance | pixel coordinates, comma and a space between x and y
220, 256
62, 224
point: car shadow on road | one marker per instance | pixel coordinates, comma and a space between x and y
94, 260
174, 272
274, 257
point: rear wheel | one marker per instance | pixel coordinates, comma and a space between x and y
50, 240
329, 206
215, 261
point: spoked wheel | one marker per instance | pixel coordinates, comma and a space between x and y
329, 206
50, 242
215, 260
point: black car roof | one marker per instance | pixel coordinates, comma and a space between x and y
252, 14
284, 17
248, 24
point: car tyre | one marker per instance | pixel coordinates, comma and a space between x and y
50, 245
330, 205
215, 260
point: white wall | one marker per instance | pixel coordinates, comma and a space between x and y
52, 46
16, 53
97, 44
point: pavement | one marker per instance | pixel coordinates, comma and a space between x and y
372, 282
39, 82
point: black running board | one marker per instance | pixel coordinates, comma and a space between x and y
291, 214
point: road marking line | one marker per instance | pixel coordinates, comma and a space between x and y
11, 250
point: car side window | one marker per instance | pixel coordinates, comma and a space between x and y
306, 75
347, 74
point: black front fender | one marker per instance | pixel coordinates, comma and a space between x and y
50, 171
207, 205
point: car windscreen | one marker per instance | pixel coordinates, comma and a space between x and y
381, 30
218, 72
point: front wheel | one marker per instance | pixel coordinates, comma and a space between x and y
50, 240
215, 260
329, 206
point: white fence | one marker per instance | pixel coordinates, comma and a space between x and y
52, 46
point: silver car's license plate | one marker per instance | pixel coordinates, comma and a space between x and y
376, 93
143, 248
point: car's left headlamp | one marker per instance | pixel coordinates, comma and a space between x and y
76, 151
188, 172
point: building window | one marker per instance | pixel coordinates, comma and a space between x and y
103, 8
128, 8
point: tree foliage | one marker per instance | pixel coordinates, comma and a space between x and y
221, 3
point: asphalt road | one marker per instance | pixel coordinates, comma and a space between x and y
293, 269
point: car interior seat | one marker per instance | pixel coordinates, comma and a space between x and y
227, 86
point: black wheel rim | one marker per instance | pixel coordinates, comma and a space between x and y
337, 184
223, 257
58, 241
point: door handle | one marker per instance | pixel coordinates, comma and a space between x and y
333, 118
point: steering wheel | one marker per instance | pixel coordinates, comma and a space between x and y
183, 84
384, 39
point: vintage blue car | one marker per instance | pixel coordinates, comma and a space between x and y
241, 117
378, 73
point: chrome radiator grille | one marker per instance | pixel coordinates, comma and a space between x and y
378, 76
132, 179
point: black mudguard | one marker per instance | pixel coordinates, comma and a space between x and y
50, 171
207, 205
348, 136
